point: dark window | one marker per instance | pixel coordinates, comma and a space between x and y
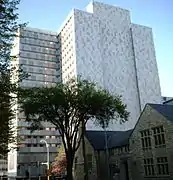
120, 150
127, 148
149, 167
146, 139
75, 162
159, 136
89, 161
111, 152
162, 166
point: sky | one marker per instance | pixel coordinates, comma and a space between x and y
158, 14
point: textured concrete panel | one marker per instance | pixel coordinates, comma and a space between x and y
104, 54
146, 66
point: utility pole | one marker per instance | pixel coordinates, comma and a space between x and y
107, 153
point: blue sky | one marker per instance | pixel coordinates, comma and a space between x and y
49, 14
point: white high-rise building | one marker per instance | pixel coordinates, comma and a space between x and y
103, 45
100, 44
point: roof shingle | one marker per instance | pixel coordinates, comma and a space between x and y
164, 109
114, 138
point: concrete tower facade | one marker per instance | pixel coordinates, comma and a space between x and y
103, 45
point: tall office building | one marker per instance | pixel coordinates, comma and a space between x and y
36, 52
103, 45
100, 44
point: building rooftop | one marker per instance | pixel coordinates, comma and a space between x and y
114, 138
164, 109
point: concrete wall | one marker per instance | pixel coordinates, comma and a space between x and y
107, 54
146, 65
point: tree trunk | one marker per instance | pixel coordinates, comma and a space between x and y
70, 158
70, 166
84, 153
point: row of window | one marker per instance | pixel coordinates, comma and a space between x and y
41, 137
39, 70
40, 145
39, 42
119, 150
32, 55
3, 169
45, 78
38, 49
37, 83
39, 63
158, 136
39, 35
160, 168
43, 128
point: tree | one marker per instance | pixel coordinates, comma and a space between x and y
69, 107
60, 165
8, 89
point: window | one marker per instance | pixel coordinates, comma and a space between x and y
146, 139
120, 150
162, 166
127, 148
111, 152
76, 159
159, 136
149, 167
89, 161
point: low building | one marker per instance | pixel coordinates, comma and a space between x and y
104, 151
151, 144
142, 153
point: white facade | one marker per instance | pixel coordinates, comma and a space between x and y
113, 52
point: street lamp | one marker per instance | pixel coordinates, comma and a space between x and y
47, 147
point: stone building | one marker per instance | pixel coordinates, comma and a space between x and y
99, 160
151, 155
142, 153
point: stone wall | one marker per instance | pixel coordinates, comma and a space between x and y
149, 119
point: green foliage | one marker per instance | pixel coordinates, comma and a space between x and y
67, 106
8, 90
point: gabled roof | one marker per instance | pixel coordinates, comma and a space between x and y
114, 138
169, 102
164, 109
